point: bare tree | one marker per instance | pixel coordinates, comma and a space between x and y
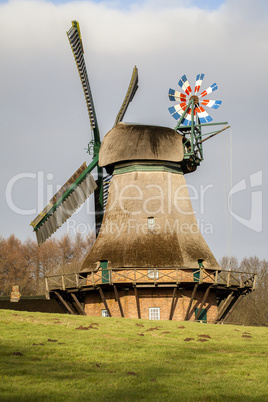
253, 309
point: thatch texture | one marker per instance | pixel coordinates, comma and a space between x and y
128, 142
126, 238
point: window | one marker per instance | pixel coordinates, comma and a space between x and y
154, 313
150, 222
153, 273
104, 313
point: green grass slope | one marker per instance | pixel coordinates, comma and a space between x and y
55, 357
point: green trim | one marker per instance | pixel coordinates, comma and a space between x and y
202, 316
196, 275
147, 168
104, 271
72, 187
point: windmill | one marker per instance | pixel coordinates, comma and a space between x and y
81, 184
149, 259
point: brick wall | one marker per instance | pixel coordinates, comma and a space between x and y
151, 297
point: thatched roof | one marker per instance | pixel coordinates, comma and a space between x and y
125, 240
128, 142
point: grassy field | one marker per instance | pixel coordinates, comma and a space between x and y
55, 357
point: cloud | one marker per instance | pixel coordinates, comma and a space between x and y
44, 121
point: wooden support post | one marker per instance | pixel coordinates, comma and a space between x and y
191, 301
47, 289
203, 302
223, 306
172, 307
201, 275
137, 302
228, 279
77, 280
216, 277
68, 308
105, 302
225, 309
233, 307
254, 282
62, 282
117, 298
78, 304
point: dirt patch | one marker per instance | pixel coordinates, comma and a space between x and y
38, 344
153, 329
94, 325
140, 334
52, 340
204, 336
181, 327
166, 332
131, 373
153, 379
17, 354
202, 340
83, 328
246, 333
188, 339
98, 365
140, 325
246, 336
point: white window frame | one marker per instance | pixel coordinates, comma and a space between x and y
104, 313
154, 313
150, 222
153, 273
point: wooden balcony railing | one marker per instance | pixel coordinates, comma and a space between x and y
145, 276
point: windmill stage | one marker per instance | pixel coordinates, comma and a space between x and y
149, 259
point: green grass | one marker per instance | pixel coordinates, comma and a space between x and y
113, 362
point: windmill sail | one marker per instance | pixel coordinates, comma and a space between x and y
132, 88
75, 40
65, 202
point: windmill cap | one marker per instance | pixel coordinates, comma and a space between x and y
140, 142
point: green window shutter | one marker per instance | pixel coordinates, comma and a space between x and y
203, 315
197, 273
104, 272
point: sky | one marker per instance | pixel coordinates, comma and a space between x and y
44, 123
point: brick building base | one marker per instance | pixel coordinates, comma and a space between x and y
160, 298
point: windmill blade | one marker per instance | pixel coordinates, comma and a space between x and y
176, 96
132, 88
65, 202
77, 48
178, 110
214, 104
198, 82
204, 117
210, 89
184, 84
